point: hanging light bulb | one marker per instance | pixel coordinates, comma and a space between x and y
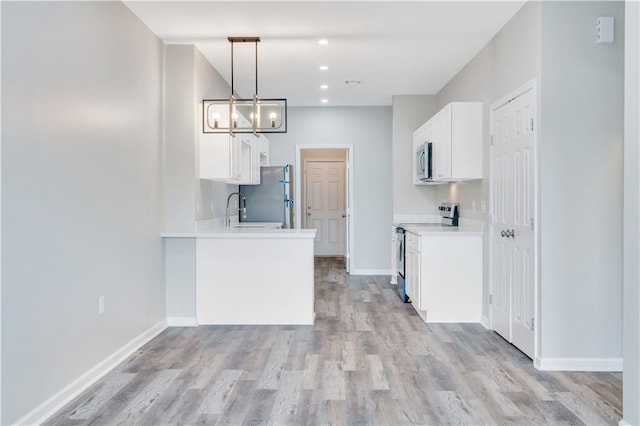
216, 119
272, 118
234, 117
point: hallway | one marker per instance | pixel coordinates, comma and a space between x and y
369, 359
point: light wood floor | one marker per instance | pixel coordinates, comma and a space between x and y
369, 359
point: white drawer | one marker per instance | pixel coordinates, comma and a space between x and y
413, 241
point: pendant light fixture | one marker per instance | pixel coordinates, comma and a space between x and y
235, 115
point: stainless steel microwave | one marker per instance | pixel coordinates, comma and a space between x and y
424, 161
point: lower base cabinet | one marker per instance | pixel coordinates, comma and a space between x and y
444, 276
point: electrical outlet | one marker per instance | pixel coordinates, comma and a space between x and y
101, 305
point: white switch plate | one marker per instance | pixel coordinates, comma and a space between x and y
604, 30
101, 305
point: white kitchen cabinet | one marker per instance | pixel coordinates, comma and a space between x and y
456, 136
235, 159
243, 159
457, 142
444, 276
219, 157
413, 265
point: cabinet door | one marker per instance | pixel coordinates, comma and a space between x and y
215, 156
409, 261
442, 144
264, 151
413, 277
235, 158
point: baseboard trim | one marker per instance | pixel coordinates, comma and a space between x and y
182, 322
484, 320
579, 364
45, 410
370, 272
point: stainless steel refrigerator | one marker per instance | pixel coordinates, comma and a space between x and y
272, 200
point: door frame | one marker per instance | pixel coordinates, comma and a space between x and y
349, 232
503, 100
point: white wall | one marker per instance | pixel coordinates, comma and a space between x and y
508, 61
369, 130
631, 304
189, 79
409, 113
581, 147
81, 192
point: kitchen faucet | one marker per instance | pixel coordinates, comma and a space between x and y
242, 209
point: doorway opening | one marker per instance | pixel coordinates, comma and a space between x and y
325, 195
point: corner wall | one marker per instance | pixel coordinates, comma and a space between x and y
581, 162
188, 199
81, 194
189, 79
409, 113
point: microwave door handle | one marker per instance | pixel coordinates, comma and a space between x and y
422, 161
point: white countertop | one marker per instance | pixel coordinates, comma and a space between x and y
250, 232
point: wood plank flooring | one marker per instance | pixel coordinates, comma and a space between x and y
368, 360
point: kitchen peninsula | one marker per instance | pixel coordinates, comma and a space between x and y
251, 275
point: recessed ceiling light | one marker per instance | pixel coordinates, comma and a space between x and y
324, 67
323, 41
324, 101
324, 86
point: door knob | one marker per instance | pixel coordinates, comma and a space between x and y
308, 214
344, 215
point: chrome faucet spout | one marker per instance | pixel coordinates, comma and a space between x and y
243, 210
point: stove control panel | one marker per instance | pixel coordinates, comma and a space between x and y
450, 213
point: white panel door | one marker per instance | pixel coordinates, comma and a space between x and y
513, 284
325, 209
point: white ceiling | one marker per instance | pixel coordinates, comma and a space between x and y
393, 47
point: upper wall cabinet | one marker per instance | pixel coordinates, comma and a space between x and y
234, 159
456, 136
